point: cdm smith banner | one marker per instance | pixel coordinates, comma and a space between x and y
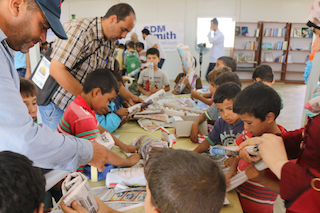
169, 35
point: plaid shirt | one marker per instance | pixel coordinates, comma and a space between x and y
84, 36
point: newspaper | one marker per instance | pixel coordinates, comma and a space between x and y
106, 140
76, 187
231, 150
131, 177
145, 143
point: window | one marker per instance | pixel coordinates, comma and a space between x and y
226, 26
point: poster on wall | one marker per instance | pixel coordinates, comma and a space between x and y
169, 34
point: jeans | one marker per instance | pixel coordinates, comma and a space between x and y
160, 64
211, 67
51, 115
21, 72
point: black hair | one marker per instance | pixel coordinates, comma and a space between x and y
22, 186
226, 91
121, 45
121, 10
103, 79
228, 77
215, 21
140, 44
258, 100
145, 31
170, 194
195, 61
130, 44
229, 62
153, 51
264, 72
27, 88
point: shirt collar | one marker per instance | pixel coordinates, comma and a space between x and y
3, 41
81, 102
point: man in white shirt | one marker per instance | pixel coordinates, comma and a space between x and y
217, 42
152, 41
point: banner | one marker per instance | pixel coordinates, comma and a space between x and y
169, 34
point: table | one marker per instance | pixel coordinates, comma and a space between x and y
131, 130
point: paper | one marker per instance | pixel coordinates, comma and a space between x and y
145, 143
76, 187
131, 177
231, 150
106, 140
42, 72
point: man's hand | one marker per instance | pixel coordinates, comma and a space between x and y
99, 156
122, 112
102, 111
134, 100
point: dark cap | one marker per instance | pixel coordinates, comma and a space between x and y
52, 10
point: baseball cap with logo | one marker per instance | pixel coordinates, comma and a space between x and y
52, 10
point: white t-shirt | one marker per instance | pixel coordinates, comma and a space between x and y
160, 78
217, 49
151, 40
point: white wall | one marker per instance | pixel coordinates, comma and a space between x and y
187, 11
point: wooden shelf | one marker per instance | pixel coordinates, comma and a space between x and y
295, 72
271, 50
246, 36
301, 37
265, 62
274, 36
243, 50
294, 82
300, 51
246, 62
297, 63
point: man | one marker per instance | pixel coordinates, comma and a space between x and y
152, 41
217, 42
23, 24
86, 35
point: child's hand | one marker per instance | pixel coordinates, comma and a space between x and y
244, 155
148, 93
129, 148
228, 162
186, 81
194, 133
133, 159
153, 89
122, 112
194, 94
124, 120
228, 177
253, 174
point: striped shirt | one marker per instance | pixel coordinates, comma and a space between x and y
79, 120
253, 196
84, 36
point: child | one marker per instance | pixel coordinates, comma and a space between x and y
212, 113
160, 77
264, 73
118, 56
223, 61
226, 61
181, 77
142, 53
130, 51
29, 93
202, 188
22, 186
258, 105
99, 88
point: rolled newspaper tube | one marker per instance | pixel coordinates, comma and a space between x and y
231, 150
219, 151
133, 73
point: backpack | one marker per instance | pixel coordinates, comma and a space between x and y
132, 61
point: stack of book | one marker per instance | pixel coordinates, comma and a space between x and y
275, 32
281, 58
281, 45
250, 45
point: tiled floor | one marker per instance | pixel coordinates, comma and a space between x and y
290, 116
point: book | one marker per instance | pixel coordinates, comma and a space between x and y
268, 57
244, 31
305, 32
241, 57
237, 31
266, 46
257, 33
249, 57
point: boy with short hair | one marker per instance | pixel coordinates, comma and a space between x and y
128, 52
227, 128
142, 53
29, 94
160, 77
168, 184
22, 186
258, 105
212, 113
226, 61
264, 73
99, 88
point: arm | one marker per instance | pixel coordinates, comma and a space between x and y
166, 88
202, 147
28, 69
196, 95
143, 91
155, 46
195, 127
110, 121
232, 171
64, 78
128, 96
216, 39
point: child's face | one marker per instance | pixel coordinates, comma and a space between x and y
254, 125
154, 59
219, 64
226, 111
31, 103
100, 101
148, 207
213, 88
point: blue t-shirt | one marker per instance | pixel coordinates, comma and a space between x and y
225, 133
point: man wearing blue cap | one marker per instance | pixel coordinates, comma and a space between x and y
88, 35
23, 23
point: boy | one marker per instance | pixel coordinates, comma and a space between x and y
99, 88
131, 51
229, 126
142, 53
264, 73
22, 187
202, 188
212, 113
224, 61
160, 77
258, 105
29, 93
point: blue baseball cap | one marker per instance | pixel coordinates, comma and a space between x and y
52, 11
